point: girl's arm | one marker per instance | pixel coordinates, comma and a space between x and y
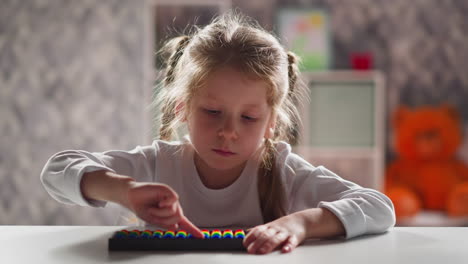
287, 232
320, 223
63, 172
108, 186
80, 177
155, 203
353, 213
360, 210
320, 204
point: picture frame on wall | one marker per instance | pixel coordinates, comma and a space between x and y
307, 34
171, 18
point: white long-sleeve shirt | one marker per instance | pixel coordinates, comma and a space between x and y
361, 210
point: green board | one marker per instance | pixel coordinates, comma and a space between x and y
342, 114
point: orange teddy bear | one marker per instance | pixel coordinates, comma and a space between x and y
426, 173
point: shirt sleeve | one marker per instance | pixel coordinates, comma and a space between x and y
61, 176
361, 210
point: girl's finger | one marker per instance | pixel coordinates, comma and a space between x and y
264, 237
173, 227
290, 244
167, 201
253, 234
166, 221
169, 196
190, 227
272, 243
164, 211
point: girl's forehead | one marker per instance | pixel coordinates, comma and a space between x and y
230, 85
229, 97
241, 102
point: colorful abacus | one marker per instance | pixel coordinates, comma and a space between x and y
176, 240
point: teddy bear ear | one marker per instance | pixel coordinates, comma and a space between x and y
400, 114
450, 110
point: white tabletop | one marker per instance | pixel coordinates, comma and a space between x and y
88, 244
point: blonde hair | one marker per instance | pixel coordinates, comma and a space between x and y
236, 41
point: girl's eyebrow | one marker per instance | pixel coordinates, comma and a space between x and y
210, 101
209, 97
253, 106
213, 99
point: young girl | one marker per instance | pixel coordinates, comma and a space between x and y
236, 90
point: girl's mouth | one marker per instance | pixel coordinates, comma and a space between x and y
224, 153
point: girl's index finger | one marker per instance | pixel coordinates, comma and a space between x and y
190, 227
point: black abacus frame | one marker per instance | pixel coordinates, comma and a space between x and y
175, 244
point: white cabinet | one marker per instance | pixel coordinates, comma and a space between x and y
343, 124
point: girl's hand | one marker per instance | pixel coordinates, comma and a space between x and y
289, 231
158, 204
284, 233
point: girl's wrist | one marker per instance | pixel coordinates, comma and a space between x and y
106, 186
122, 186
321, 223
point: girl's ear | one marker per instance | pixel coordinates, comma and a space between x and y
180, 110
270, 130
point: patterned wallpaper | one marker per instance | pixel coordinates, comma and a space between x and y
73, 75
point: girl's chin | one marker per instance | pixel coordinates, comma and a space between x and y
221, 164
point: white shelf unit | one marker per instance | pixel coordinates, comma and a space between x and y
343, 124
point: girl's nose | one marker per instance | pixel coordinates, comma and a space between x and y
228, 129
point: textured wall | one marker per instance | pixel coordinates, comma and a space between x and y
71, 77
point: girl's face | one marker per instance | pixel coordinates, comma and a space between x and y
229, 118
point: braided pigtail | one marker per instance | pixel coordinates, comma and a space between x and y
182, 42
168, 116
270, 188
294, 93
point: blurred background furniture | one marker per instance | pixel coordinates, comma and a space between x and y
343, 124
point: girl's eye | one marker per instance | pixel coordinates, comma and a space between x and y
249, 118
212, 112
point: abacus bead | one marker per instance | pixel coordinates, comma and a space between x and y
206, 233
228, 233
146, 234
239, 234
121, 234
134, 234
181, 234
169, 234
158, 234
216, 233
